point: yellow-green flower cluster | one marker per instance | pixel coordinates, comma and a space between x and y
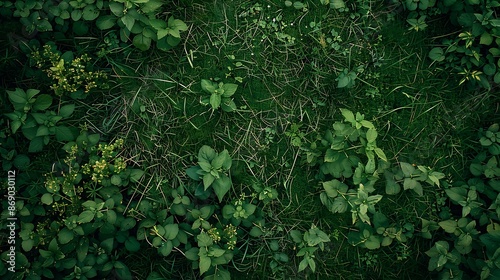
214, 233
52, 185
231, 235
68, 77
108, 163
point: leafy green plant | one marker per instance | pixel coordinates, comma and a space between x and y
308, 243
213, 170
36, 123
137, 19
468, 236
71, 75
220, 95
76, 226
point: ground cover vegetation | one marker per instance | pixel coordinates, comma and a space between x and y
186, 139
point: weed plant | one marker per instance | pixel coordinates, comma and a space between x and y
288, 67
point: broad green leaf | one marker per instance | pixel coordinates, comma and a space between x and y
372, 243
215, 100
192, 172
371, 135
116, 8
67, 110
208, 179
457, 194
171, 231
348, 115
85, 217
36, 145
132, 245
127, 224
166, 248
142, 42
219, 160
486, 39
151, 6
437, 54
136, 175
207, 167
192, 254
158, 24
208, 86
65, 236
76, 14
339, 205
228, 105
205, 263
221, 186
256, 232
229, 89
303, 265
333, 188
449, 225
42, 102
337, 4
90, 12
407, 169
380, 154
18, 96
204, 240
106, 22
47, 198
206, 154
64, 134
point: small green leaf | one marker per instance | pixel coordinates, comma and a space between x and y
205, 263
449, 225
437, 54
142, 42
171, 231
85, 217
407, 169
215, 101
229, 89
204, 240
47, 198
106, 22
67, 110
208, 86
371, 135
90, 12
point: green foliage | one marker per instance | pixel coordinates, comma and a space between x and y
468, 241
220, 95
213, 170
136, 19
35, 121
473, 52
77, 227
71, 75
308, 243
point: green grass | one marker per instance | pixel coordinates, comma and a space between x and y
421, 113
414, 105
